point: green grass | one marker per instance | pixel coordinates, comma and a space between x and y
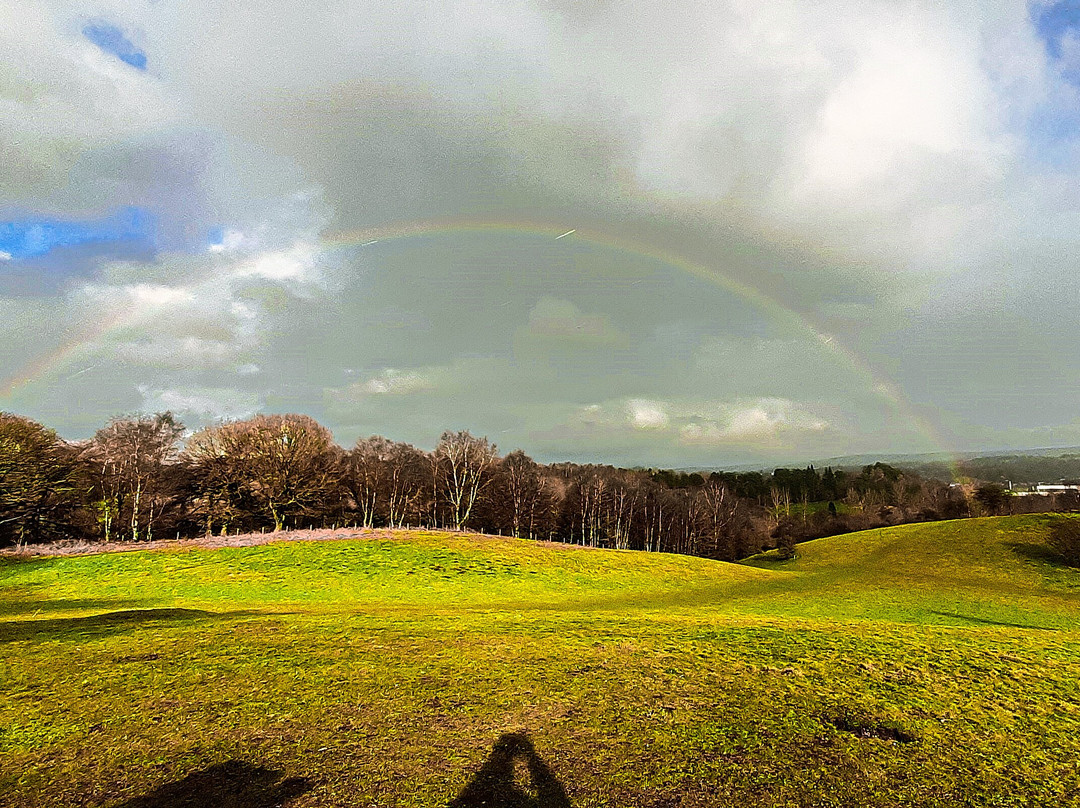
922, 665
797, 509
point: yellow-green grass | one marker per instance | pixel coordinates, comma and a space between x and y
922, 665
991, 571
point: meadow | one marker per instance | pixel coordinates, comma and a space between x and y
931, 664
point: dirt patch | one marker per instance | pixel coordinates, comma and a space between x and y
864, 725
205, 542
74, 548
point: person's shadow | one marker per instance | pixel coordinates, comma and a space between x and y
233, 784
494, 785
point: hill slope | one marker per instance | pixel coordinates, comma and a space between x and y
893, 667
417, 570
988, 571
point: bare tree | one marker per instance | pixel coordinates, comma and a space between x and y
781, 501
130, 460
593, 491
689, 539
621, 510
285, 465
219, 482
525, 490
464, 465
366, 467
405, 485
720, 509
655, 516
384, 480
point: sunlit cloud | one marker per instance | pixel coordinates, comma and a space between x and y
693, 422
647, 414
205, 405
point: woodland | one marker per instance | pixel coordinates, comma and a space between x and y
142, 478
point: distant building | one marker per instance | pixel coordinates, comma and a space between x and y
1048, 489
1045, 489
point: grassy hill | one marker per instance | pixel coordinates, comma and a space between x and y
920, 665
991, 571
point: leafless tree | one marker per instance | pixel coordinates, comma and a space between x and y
593, 490
526, 492
220, 482
720, 509
405, 494
656, 516
285, 462
781, 503
464, 464
130, 460
621, 509
690, 517
384, 479
366, 467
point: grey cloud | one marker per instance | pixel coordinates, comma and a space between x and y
867, 170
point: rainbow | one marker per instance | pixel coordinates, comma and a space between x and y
565, 234
874, 378
73, 346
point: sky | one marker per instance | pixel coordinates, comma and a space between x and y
686, 234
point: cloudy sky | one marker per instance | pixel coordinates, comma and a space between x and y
686, 233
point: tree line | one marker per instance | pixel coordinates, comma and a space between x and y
143, 477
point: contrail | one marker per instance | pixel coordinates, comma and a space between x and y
564, 235
84, 370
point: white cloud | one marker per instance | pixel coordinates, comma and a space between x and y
180, 352
231, 241
396, 382
297, 266
764, 421
908, 92
148, 296
206, 405
646, 414
207, 310
390, 382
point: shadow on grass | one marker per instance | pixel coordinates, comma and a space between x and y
766, 560
30, 606
988, 622
495, 786
1038, 552
99, 624
233, 784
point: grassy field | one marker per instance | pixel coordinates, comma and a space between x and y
922, 665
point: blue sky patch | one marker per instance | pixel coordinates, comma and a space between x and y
1053, 127
1054, 22
112, 40
33, 237
216, 236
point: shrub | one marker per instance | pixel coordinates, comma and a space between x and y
1065, 538
785, 546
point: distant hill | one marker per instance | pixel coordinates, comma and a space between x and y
1023, 466
1063, 465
